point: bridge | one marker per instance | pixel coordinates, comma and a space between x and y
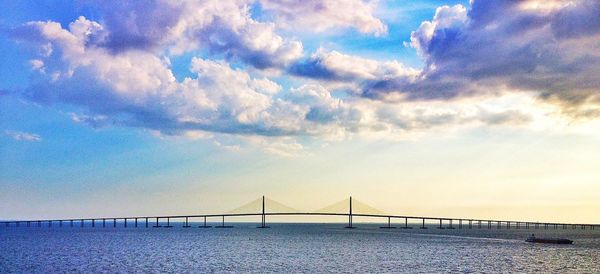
264, 207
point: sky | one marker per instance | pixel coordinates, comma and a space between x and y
472, 109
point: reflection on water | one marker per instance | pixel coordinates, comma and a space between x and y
295, 248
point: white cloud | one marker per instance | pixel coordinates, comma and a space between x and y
118, 73
518, 46
23, 136
319, 15
220, 26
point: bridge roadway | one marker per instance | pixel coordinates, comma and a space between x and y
447, 221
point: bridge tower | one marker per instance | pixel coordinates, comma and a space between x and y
263, 223
350, 215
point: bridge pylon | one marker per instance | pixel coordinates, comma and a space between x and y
263, 223
350, 215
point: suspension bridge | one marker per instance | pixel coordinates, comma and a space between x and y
264, 207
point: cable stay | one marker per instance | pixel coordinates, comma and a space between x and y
256, 206
343, 207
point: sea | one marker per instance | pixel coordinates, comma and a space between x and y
294, 248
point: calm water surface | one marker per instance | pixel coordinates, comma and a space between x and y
294, 248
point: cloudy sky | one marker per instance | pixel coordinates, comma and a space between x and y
451, 108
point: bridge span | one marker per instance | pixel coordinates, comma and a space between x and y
401, 221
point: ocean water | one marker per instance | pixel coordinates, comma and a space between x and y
295, 248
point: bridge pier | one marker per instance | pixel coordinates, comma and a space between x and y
157, 225
460, 224
60, 223
489, 224
124, 222
423, 225
114, 222
440, 226
470, 224
204, 226
507, 225
103, 223
146, 222
223, 223
479, 224
450, 224
186, 223
93, 222
389, 223
135, 222
168, 223
405, 224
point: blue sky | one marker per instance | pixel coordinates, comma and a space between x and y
119, 108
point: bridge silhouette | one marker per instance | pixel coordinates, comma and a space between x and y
264, 207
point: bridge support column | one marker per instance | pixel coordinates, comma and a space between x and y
103, 222
204, 226
186, 223
460, 224
146, 222
93, 222
223, 223
135, 222
115, 222
389, 223
157, 225
423, 224
124, 222
405, 224
470, 224
450, 224
507, 225
60, 223
168, 223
